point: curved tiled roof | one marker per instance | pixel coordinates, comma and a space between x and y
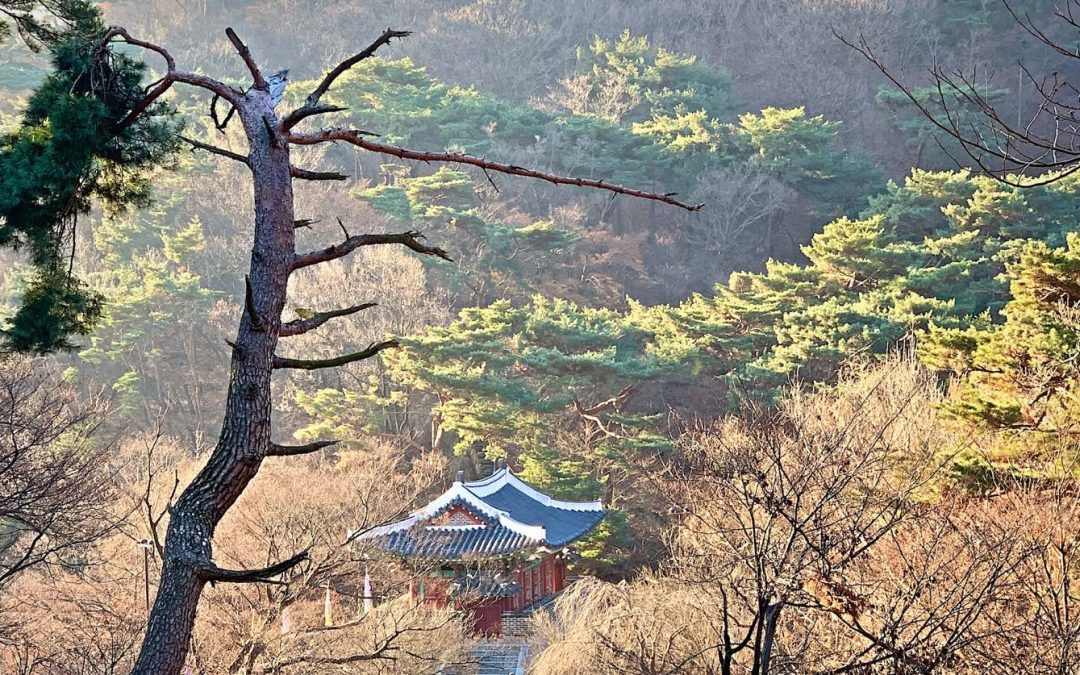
455, 542
514, 515
561, 526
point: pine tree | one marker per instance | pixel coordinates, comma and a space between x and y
76, 143
929, 251
550, 385
491, 259
1020, 374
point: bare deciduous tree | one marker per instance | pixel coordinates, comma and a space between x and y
827, 541
55, 487
1044, 141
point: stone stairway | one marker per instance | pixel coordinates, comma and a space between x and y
501, 658
493, 657
519, 624
509, 654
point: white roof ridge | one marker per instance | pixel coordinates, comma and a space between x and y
458, 491
505, 476
389, 528
473, 494
535, 532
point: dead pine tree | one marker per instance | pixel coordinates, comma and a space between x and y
246, 434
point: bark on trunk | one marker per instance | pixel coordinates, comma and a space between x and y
245, 433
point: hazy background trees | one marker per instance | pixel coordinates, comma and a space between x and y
606, 348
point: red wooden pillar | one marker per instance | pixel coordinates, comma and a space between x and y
519, 599
543, 576
549, 574
528, 586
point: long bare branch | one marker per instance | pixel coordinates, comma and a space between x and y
341, 68
305, 174
1033, 30
277, 450
249, 61
301, 326
316, 364
409, 240
357, 138
212, 572
215, 150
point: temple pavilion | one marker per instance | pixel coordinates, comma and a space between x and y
493, 546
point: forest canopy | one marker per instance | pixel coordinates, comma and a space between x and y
860, 321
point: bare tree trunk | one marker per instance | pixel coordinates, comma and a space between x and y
245, 434
772, 616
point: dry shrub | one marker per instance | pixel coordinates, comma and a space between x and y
96, 601
819, 539
654, 625
396, 636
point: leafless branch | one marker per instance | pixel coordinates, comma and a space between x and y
154, 521
1006, 151
219, 123
301, 326
212, 572
358, 139
277, 450
249, 61
215, 150
300, 114
304, 174
311, 105
316, 364
410, 240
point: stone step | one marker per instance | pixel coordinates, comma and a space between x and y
493, 658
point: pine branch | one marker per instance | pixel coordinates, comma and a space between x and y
304, 174
249, 61
212, 573
317, 364
409, 240
301, 326
357, 138
215, 150
294, 450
